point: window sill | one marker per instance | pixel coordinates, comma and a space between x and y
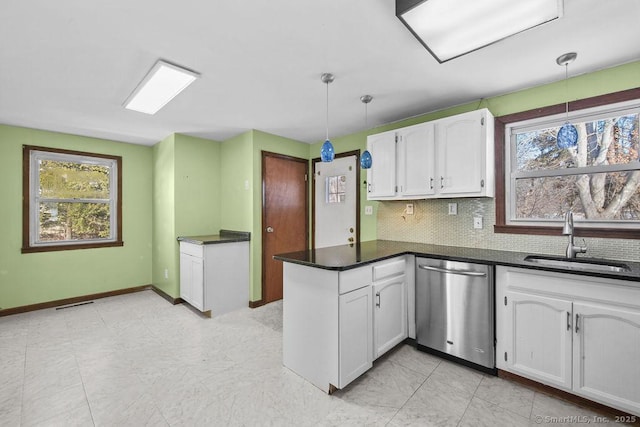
54, 248
557, 231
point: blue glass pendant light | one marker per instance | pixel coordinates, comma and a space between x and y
326, 151
365, 159
568, 134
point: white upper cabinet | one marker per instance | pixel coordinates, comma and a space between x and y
381, 180
450, 157
465, 155
416, 163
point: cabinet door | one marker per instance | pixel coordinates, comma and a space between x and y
606, 348
538, 338
381, 177
192, 280
389, 314
461, 154
355, 334
416, 161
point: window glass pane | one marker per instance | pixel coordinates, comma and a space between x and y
69, 180
74, 221
336, 189
594, 197
607, 141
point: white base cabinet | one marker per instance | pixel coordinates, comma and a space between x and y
576, 333
214, 278
331, 334
355, 334
390, 312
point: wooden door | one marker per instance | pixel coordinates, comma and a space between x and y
285, 216
336, 219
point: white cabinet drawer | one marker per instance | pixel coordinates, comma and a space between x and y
356, 278
192, 249
389, 268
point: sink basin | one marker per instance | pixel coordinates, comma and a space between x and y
583, 264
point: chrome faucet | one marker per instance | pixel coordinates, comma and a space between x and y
567, 230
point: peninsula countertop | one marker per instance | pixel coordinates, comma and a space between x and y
346, 257
225, 236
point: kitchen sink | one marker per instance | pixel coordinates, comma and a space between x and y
583, 264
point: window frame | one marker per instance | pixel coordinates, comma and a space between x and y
30, 219
501, 204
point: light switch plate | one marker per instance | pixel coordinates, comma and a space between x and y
477, 222
409, 209
453, 209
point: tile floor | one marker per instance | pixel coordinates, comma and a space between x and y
136, 360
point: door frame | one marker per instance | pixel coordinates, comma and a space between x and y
316, 160
264, 155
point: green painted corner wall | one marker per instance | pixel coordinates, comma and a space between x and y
164, 227
610, 80
27, 279
186, 202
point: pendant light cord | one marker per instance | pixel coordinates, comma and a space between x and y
566, 90
327, 138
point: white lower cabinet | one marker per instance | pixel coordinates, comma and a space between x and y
538, 333
214, 278
606, 350
330, 332
355, 334
577, 333
390, 314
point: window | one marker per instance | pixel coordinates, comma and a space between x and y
598, 179
71, 200
336, 189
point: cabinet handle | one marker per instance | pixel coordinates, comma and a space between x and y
431, 183
442, 182
369, 187
568, 321
378, 299
482, 183
577, 323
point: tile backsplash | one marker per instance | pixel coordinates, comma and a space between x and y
432, 224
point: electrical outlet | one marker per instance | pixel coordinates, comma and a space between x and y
477, 222
368, 210
409, 209
453, 209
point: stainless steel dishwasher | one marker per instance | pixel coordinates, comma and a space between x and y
455, 311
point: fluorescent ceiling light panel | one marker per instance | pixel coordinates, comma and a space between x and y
159, 86
451, 28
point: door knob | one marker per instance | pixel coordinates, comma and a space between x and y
269, 229
351, 239
351, 230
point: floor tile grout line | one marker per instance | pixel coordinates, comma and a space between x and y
414, 392
470, 400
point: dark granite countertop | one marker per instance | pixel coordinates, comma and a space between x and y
225, 236
346, 257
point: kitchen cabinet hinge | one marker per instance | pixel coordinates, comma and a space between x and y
396, 138
305, 177
505, 300
482, 121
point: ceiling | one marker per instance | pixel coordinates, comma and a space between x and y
68, 65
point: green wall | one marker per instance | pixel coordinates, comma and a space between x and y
598, 83
186, 186
186, 201
40, 277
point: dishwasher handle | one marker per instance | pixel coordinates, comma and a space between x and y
445, 270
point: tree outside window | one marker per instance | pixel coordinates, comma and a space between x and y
598, 179
73, 200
